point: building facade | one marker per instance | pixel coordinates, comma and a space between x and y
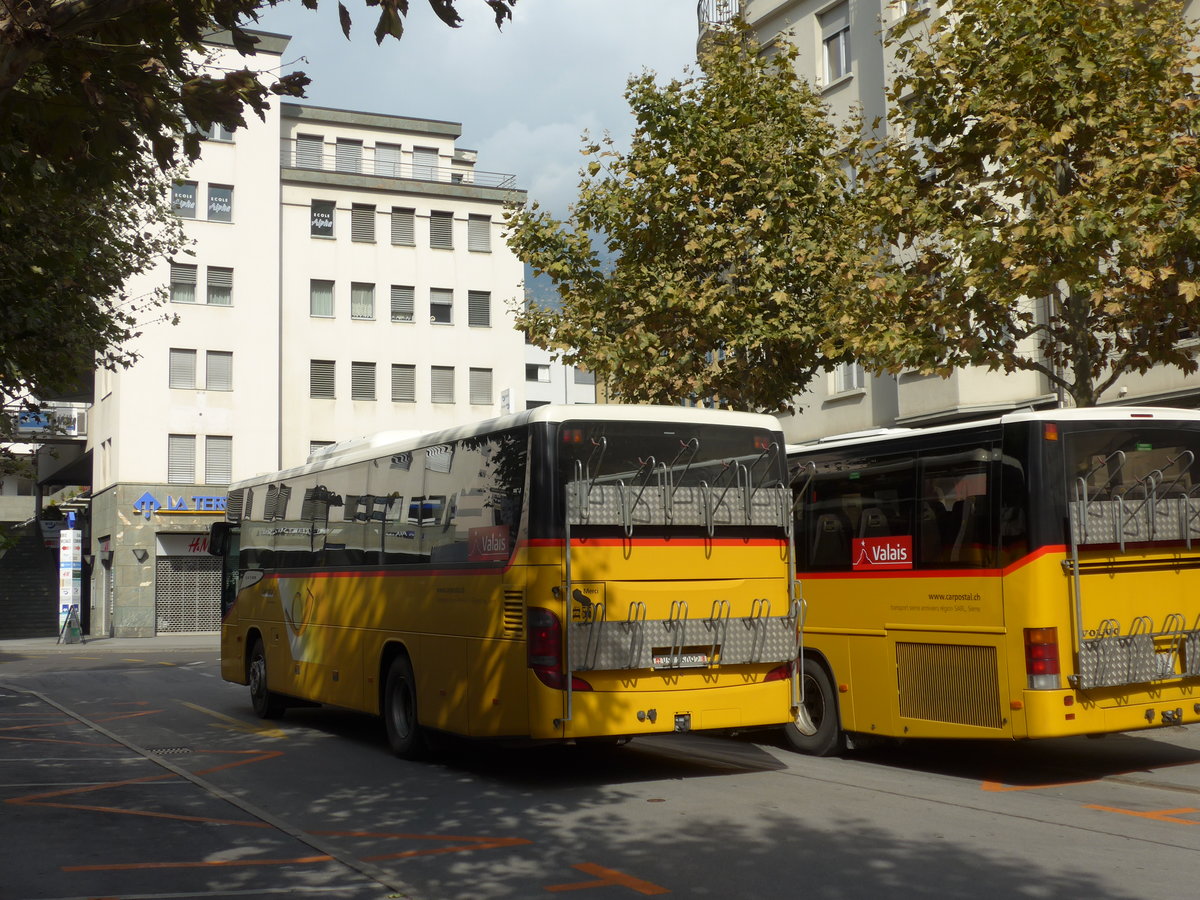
347, 275
841, 51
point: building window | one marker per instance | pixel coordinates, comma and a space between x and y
441, 230
362, 300
403, 302
182, 369
218, 370
218, 459
183, 199
583, 376
441, 306
403, 226
219, 281
441, 384
849, 377
348, 155
320, 298
310, 150
835, 36
183, 283
320, 222
314, 446
387, 160
425, 163
181, 459
537, 372
479, 309
362, 223
362, 381
479, 386
479, 234
220, 203
321, 378
404, 383
218, 132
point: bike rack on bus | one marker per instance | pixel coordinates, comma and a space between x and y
1140, 512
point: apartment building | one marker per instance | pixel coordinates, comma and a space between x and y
841, 51
347, 276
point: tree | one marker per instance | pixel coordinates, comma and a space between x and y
100, 101
697, 263
1037, 203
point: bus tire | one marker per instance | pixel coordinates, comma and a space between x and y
404, 732
821, 703
267, 704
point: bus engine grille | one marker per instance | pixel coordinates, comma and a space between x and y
949, 683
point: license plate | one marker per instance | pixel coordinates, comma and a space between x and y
681, 660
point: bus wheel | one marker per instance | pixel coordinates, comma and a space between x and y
266, 703
400, 711
821, 704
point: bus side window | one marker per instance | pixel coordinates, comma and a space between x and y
1014, 535
868, 499
956, 511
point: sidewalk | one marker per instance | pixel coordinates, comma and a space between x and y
42, 646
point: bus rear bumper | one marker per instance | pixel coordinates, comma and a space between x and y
633, 714
1064, 713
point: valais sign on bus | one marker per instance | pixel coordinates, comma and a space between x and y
875, 553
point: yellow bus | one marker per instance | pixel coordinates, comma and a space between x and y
564, 574
1032, 576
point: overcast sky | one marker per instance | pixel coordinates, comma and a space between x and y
524, 95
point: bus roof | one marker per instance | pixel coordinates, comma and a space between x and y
387, 443
1092, 414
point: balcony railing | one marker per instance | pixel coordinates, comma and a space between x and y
717, 13
293, 157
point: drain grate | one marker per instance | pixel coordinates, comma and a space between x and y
169, 751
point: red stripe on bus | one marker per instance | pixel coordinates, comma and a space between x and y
653, 542
1048, 550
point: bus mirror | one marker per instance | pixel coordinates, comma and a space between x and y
218, 538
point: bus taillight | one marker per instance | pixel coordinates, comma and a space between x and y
781, 673
1041, 659
544, 650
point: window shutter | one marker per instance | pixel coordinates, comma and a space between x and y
404, 383
362, 381
182, 369
183, 283
362, 300
218, 459
362, 223
480, 386
479, 309
479, 234
220, 286
181, 458
403, 302
425, 163
320, 298
309, 150
403, 230
441, 306
441, 384
348, 155
387, 160
218, 375
321, 378
441, 230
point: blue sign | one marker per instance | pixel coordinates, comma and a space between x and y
27, 420
149, 505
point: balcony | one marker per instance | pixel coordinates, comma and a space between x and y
712, 14
303, 157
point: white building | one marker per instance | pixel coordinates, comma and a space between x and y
840, 51
348, 275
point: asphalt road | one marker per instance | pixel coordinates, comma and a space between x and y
135, 772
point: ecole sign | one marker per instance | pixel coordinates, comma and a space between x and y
149, 505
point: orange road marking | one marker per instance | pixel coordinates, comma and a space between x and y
606, 878
462, 843
1160, 815
1000, 787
